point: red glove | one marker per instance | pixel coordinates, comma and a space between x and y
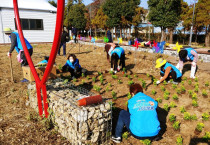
9, 54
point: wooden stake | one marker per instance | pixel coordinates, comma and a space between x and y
12, 79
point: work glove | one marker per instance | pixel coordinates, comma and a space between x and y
115, 71
111, 69
9, 54
118, 68
158, 82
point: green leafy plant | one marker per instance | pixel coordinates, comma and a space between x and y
194, 103
65, 81
182, 82
196, 79
206, 84
200, 127
159, 100
74, 80
196, 85
60, 67
174, 86
124, 69
182, 109
88, 77
135, 76
176, 125
126, 103
175, 97
129, 76
124, 75
167, 92
120, 81
94, 79
172, 105
196, 89
99, 73
172, 117
107, 89
114, 95
154, 92
190, 82
183, 90
109, 84
178, 91
143, 84
164, 82
193, 117
96, 88
204, 93
146, 142
185, 78
130, 82
194, 96
206, 136
190, 92
125, 135
83, 75
111, 72
166, 107
114, 76
166, 96
179, 140
129, 96
187, 116
83, 81
163, 88
154, 81
205, 116
148, 75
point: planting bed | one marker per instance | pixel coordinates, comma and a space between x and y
18, 124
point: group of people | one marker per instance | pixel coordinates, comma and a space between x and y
141, 118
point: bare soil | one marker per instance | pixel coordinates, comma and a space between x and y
20, 125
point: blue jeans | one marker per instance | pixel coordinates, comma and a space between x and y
64, 48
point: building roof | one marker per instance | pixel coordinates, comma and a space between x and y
29, 4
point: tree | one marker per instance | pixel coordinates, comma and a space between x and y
164, 14
53, 3
100, 20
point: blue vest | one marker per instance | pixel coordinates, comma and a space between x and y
74, 64
189, 53
178, 73
119, 51
143, 119
19, 45
43, 61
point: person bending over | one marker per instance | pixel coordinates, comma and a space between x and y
188, 54
108, 49
72, 65
168, 71
116, 54
141, 119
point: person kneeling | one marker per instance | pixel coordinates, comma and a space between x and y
141, 119
168, 71
72, 65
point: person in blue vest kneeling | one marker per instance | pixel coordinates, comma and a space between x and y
72, 65
116, 54
168, 71
188, 54
141, 119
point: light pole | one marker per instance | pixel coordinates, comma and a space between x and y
192, 25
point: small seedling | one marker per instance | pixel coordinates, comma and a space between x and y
130, 83
172, 117
124, 69
74, 80
143, 84
163, 88
148, 75
204, 93
167, 92
65, 81
176, 125
194, 96
119, 81
129, 76
114, 76
165, 96
154, 81
205, 116
182, 82
60, 67
107, 89
83, 75
194, 103
193, 117
135, 76
159, 100
102, 81
111, 72
140, 79
114, 94
172, 105
94, 79
206, 136
175, 97
174, 86
185, 78
196, 79
154, 92
83, 82
166, 107
96, 88
164, 82
196, 89
179, 140
178, 91
206, 84
189, 82
129, 96
99, 73
182, 109
146, 142
183, 90
187, 116
200, 127
88, 77
109, 84
190, 92
126, 103
196, 85
125, 135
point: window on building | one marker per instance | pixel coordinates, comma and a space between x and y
31, 24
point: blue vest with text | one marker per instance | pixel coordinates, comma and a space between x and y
19, 46
189, 53
74, 64
143, 119
119, 51
178, 73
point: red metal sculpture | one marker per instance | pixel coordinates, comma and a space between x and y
41, 84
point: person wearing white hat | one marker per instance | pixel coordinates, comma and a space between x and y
168, 71
16, 44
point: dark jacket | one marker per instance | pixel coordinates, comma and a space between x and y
109, 35
74, 31
64, 37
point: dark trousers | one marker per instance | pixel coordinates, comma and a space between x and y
172, 75
124, 120
23, 57
122, 60
76, 72
115, 62
75, 38
64, 48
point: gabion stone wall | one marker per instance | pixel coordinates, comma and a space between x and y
80, 125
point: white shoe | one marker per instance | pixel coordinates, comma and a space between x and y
192, 73
116, 139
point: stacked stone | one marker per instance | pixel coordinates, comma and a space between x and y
80, 124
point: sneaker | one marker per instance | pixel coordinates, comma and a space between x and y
24, 81
116, 139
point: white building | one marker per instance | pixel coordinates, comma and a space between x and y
38, 20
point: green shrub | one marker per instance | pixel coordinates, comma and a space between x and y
126, 103
109, 84
200, 126
166, 107
176, 125
183, 90
190, 82
74, 80
182, 109
175, 97
167, 92
88, 77
146, 142
172, 105
190, 92
174, 86
124, 69
83, 82
111, 72
163, 88
96, 88
148, 75
178, 91
154, 92
99, 73
187, 116
196, 89
194, 96
194, 103
125, 135
206, 84
179, 140
206, 136
193, 117
159, 100
172, 117
60, 67
205, 116
124, 75
204, 93
165, 96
